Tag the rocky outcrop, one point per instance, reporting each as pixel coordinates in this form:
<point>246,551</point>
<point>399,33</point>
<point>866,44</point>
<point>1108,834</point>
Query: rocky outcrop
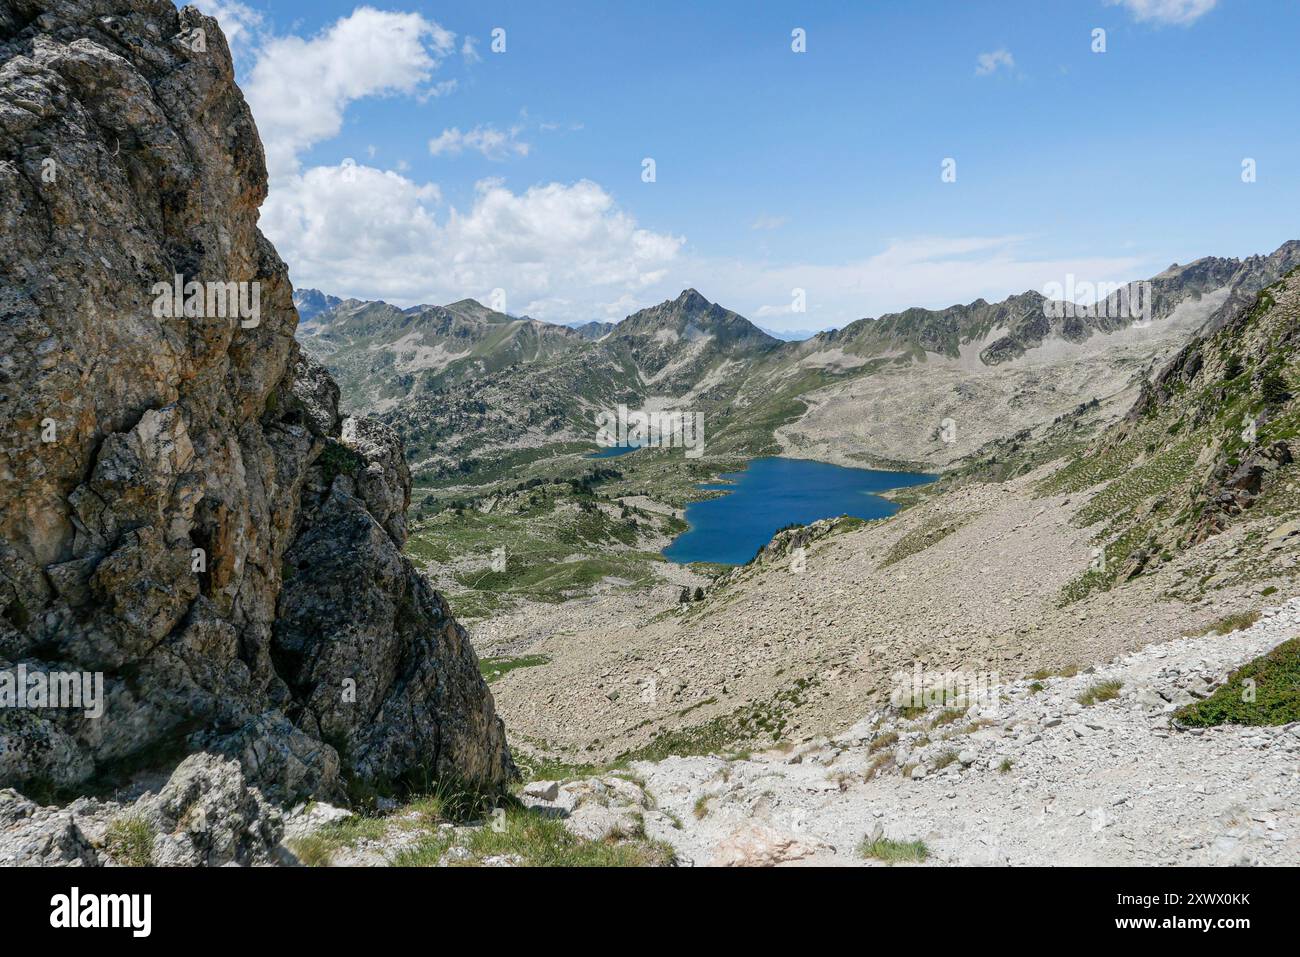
<point>182,508</point>
<point>205,815</point>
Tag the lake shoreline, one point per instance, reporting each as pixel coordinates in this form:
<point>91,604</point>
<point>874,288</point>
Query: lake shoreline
<point>775,492</point>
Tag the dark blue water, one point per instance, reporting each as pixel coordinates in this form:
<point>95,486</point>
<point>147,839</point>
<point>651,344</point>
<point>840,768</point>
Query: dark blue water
<point>773,493</point>
<point>613,451</point>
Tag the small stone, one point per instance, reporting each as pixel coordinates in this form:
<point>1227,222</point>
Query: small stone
<point>543,790</point>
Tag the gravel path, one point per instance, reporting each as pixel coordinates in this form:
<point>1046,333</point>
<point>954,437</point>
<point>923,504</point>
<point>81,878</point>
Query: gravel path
<point>1111,783</point>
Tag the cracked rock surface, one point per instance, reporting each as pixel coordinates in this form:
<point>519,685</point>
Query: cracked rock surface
<point>182,508</point>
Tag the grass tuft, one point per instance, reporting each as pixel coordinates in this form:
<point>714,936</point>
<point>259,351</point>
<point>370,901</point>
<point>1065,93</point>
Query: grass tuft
<point>878,764</point>
<point>494,668</point>
<point>318,849</point>
<point>948,716</point>
<point>129,840</point>
<point>1228,624</point>
<point>894,852</point>
<point>1042,674</point>
<point>537,841</point>
<point>882,741</point>
<point>1100,691</point>
<point>945,759</point>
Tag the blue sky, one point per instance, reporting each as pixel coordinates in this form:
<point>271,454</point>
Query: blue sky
<point>411,162</point>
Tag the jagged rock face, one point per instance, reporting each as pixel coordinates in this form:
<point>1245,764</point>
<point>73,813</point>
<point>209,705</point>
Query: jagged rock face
<point>181,506</point>
<point>205,815</point>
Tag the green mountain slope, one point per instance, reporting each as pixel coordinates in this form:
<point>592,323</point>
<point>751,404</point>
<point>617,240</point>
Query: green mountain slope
<point>1209,444</point>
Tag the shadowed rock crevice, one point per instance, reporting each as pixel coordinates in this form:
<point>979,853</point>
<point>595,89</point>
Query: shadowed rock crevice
<point>182,507</point>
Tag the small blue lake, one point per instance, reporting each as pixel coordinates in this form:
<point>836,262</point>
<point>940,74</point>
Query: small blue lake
<point>773,493</point>
<point>613,452</point>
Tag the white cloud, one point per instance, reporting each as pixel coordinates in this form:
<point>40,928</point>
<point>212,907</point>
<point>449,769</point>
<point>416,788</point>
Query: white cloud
<point>299,88</point>
<point>346,217</point>
<point>241,24</point>
<point>488,140</point>
<point>469,50</point>
<point>933,272</point>
<point>987,63</point>
<point>1181,12</point>
<point>767,222</point>
<point>559,251</point>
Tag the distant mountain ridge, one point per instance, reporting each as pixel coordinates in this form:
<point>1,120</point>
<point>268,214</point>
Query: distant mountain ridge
<point>1023,321</point>
<point>457,379</point>
<point>594,329</point>
<point>310,303</point>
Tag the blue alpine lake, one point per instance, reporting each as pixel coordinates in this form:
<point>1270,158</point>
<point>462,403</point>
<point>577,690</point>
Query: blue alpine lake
<point>613,452</point>
<point>773,493</point>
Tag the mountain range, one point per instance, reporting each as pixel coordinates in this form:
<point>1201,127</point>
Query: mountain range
<point>467,386</point>
<point>217,614</point>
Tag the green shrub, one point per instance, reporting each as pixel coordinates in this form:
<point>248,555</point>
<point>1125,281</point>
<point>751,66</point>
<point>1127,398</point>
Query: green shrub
<point>1265,691</point>
<point>1273,388</point>
<point>337,459</point>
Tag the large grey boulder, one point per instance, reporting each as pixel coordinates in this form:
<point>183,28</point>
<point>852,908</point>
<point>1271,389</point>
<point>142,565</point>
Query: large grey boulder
<point>182,508</point>
<point>207,815</point>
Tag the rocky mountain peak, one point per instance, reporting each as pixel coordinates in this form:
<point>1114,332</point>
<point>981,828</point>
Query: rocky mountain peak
<point>312,302</point>
<point>692,316</point>
<point>691,300</point>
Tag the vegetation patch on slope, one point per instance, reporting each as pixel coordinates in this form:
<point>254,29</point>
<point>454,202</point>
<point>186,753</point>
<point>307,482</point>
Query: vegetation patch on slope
<point>1265,691</point>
